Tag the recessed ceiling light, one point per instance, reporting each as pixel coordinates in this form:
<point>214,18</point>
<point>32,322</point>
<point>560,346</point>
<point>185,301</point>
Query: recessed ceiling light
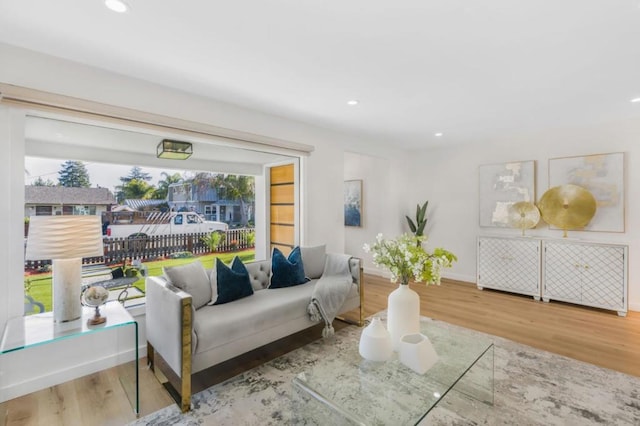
<point>353,102</point>
<point>116,5</point>
<point>438,134</point>
<point>635,100</point>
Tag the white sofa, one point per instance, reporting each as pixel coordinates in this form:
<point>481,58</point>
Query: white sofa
<point>190,340</point>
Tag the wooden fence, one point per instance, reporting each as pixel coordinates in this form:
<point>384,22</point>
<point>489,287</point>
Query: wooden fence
<point>116,250</point>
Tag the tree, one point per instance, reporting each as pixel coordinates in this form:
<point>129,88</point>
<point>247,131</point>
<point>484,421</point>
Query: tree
<point>134,186</point>
<point>135,190</point>
<point>203,181</point>
<point>136,173</point>
<point>162,190</point>
<point>73,174</point>
<point>242,189</point>
<point>41,182</point>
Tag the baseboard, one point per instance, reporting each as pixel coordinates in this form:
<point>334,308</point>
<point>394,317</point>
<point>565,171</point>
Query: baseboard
<point>376,271</point>
<point>460,277</point>
<point>449,275</point>
<point>25,387</point>
<point>471,279</point>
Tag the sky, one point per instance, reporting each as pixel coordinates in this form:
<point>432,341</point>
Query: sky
<point>100,174</point>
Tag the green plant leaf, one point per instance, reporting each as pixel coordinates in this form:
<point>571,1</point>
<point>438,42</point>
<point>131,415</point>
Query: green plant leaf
<point>422,212</point>
<point>420,231</point>
<point>412,226</point>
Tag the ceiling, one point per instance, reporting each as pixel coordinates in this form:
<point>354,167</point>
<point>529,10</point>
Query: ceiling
<point>474,70</point>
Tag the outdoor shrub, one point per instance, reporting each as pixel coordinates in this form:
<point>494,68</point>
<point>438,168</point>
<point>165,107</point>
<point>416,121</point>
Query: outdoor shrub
<point>251,239</point>
<point>44,268</point>
<point>214,240</point>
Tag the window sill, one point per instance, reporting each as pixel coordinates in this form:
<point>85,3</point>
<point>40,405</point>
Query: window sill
<point>136,307</point>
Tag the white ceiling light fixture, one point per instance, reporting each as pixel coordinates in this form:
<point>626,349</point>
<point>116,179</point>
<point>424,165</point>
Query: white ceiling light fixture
<point>353,102</point>
<point>635,100</point>
<point>438,134</point>
<point>117,6</point>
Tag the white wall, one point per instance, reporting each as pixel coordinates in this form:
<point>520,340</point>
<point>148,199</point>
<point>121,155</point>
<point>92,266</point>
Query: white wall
<point>449,180</point>
<point>11,216</point>
<point>383,194</point>
<point>323,196</point>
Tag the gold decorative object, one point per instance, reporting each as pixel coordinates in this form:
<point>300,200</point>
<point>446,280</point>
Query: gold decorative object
<point>567,207</point>
<point>523,215</point>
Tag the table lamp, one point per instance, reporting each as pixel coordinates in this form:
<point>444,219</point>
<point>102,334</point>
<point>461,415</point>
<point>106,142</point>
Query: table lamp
<point>65,240</point>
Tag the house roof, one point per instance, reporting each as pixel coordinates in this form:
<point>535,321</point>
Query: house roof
<point>138,204</point>
<point>62,195</point>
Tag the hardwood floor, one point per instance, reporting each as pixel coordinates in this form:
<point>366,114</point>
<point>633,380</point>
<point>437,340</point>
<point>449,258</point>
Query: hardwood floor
<point>591,335</point>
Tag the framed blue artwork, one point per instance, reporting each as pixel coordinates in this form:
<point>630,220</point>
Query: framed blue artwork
<point>353,203</point>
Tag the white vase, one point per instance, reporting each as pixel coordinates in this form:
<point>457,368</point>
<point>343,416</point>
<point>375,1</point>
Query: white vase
<point>375,342</point>
<point>403,314</point>
<point>417,352</point>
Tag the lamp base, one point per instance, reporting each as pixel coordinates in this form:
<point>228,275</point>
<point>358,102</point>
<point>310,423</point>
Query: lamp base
<point>97,318</point>
<point>67,283</point>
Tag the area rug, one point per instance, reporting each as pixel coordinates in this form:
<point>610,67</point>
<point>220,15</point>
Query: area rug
<point>532,387</point>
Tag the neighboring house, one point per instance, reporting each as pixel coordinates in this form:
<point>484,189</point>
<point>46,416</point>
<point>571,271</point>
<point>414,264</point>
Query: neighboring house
<point>60,200</point>
<point>186,196</point>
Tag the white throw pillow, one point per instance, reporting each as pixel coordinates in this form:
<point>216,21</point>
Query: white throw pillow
<point>313,259</point>
<point>193,279</point>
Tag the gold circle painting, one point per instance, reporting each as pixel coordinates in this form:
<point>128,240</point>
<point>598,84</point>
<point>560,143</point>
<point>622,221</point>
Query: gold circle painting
<point>567,207</point>
<point>523,215</point>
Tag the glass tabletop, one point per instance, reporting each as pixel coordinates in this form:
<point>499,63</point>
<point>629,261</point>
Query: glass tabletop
<point>382,393</point>
<point>33,330</point>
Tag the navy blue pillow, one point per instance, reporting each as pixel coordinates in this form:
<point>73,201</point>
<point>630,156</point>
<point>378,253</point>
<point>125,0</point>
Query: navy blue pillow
<point>233,283</point>
<point>287,272</point>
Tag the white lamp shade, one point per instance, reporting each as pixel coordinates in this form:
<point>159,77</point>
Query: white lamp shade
<point>64,237</point>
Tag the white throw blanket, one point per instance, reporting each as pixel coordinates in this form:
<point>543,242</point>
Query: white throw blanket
<point>331,291</point>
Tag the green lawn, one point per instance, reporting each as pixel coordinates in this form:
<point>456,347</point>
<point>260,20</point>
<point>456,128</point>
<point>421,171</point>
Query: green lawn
<point>38,286</point>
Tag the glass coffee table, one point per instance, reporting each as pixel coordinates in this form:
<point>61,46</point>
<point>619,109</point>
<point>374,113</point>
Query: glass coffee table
<point>346,389</point>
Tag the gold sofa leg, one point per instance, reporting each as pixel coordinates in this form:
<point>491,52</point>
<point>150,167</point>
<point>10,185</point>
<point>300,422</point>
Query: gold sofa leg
<point>181,395</point>
<point>361,319</point>
<point>150,356</point>
<point>185,379</point>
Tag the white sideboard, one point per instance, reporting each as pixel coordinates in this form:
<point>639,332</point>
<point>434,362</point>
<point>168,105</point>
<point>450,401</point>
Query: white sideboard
<point>585,273</point>
<point>590,274</point>
<point>510,264</point>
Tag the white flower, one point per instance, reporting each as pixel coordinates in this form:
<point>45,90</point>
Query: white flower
<point>405,257</point>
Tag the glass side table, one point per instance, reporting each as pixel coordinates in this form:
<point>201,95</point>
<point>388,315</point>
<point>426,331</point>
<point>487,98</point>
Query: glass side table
<point>22,333</point>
